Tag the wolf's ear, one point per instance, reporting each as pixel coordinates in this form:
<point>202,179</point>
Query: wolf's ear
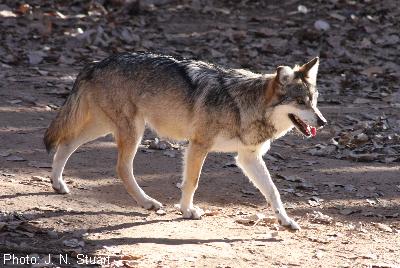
<point>310,70</point>
<point>284,74</point>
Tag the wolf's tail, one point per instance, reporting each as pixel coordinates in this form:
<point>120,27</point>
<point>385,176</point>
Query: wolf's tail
<point>70,118</point>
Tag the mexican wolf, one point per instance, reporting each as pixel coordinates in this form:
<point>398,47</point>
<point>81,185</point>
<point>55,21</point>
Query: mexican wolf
<point>214,108</point>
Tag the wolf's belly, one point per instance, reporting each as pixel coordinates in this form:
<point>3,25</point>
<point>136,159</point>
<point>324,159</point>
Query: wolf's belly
<point>224,144</point>
<point>229,145</point>
<point>176,128</point>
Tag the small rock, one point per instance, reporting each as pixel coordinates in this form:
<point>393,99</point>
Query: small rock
<point>159,145</point>
<point>321,25</point>
<point>302,9</point>
<point>161,212</point>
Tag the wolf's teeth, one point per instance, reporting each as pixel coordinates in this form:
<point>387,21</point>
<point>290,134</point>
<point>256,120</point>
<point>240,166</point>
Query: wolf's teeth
<point>308,130</point>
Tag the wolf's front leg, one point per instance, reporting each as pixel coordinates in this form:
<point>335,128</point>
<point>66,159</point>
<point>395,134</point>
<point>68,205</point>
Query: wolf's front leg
<point>194,159</point>
<point>254,167</point>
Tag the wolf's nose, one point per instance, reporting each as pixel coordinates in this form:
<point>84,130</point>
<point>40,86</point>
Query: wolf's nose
<point>321,122</point>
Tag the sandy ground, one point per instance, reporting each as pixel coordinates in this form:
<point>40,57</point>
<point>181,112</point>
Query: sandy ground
<point>100,213</point>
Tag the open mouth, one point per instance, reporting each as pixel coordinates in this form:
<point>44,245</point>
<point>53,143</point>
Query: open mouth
<point>305,129</point>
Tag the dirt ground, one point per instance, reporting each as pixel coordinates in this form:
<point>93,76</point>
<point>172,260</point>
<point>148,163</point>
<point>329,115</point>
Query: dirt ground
<point>348,209</point>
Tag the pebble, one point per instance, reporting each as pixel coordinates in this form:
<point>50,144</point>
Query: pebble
<point>322,25</point>
<point>161,212</point>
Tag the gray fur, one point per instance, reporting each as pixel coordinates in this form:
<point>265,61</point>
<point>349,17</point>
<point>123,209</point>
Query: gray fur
<point>225,94</point>
<point>215,108</point>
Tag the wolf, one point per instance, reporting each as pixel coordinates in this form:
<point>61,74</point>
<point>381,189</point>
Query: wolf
<point>216,109</point>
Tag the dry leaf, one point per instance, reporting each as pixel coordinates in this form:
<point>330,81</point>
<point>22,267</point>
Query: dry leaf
<point>373,70</point>
<point>318,217</point>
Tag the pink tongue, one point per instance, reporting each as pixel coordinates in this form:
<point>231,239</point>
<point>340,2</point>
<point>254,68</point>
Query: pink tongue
<point>313,131</point>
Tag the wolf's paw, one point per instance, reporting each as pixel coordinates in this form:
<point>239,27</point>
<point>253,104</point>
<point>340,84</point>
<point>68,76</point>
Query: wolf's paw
<point>191,212</point>
<point>60,187</point>
<point>150,204</point>
<point>289,223</point>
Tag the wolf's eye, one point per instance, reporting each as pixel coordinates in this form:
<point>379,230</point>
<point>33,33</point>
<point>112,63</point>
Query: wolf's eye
<point>301,101</point>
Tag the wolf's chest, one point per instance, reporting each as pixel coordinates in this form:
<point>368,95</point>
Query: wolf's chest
<point>257,132</point>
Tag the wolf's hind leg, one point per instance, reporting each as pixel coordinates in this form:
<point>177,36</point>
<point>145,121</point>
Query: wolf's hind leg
<point>128,139</point>
<point>194,159</point>
<point>254,167</point>
<point>90,132</point>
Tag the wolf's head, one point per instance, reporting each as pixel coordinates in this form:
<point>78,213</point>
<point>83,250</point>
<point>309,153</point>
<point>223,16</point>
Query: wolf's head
<point>296,100</point>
